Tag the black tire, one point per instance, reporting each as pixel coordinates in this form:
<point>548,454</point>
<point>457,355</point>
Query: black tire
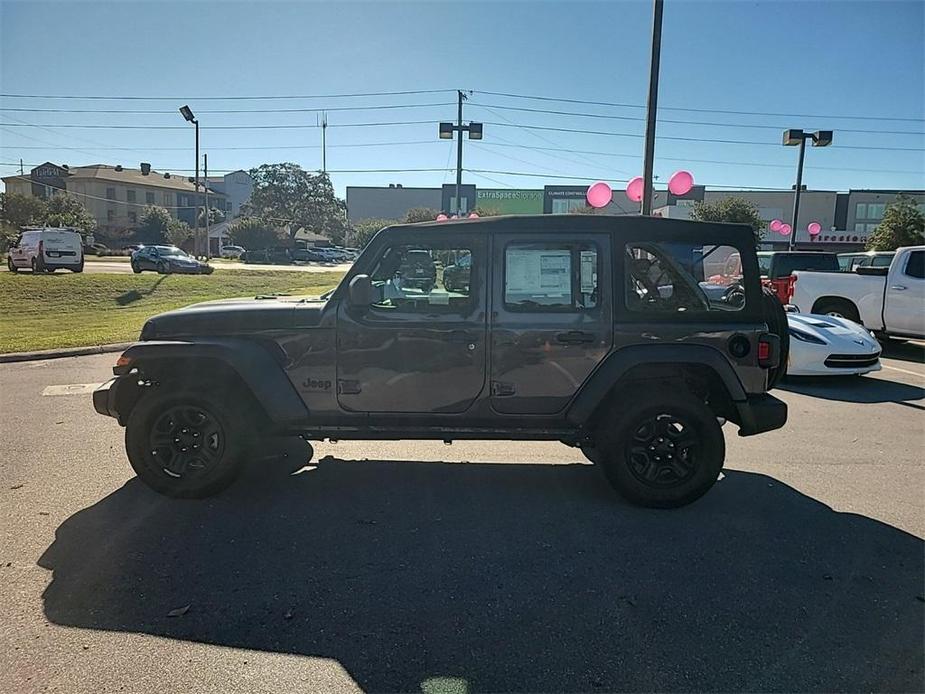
<point>11,266</point>
<point>162,268</point>
<point>840,308</point>
<point>79,268</point>
<point>664,450</point>
<point>37,266</point>
<point>776,318</point>
<point>169,424</point>
<point>135,268</point>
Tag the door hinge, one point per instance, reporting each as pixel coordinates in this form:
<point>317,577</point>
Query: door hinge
<point>499,389</point>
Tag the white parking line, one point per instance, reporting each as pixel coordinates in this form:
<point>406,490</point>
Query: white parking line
<point>71,389</point>
<point>905,371</point>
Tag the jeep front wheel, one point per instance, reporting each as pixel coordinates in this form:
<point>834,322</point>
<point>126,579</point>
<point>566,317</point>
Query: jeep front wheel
<point>664,451</point>
<point>184,444</point>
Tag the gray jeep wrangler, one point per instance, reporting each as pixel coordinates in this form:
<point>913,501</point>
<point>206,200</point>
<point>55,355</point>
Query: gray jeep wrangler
<point>631,338</point>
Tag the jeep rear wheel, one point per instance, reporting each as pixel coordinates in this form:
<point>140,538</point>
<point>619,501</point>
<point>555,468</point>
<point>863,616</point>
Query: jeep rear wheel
<point>185,444</point>
<point>665,451</point>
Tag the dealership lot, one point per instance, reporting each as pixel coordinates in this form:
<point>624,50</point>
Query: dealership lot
<point>480,566</point>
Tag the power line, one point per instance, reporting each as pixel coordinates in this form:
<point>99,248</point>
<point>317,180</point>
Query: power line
<point>261,147</point>
<point>697,110</point>
<point>699,161</point>
<point>688,139</point>
<point>173,112</point>
<point>299,126</point>
<point>685,122</point>
<point>228,98</point>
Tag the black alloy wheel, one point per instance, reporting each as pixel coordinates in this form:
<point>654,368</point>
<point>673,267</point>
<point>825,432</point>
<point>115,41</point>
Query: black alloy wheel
<point>187,440</point>
<point>663,451</point>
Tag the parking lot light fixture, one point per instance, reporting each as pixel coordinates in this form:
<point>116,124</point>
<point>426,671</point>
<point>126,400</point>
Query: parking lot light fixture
<point>796,137</point>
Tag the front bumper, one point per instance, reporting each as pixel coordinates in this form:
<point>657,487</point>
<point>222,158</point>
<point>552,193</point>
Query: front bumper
<point>104,398</point>
<point>760,413</point>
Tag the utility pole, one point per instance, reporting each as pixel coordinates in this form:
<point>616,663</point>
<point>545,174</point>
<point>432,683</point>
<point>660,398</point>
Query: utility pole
<point>652,109</point>
<point>324,150</point>
<point>459,141</point>
<point>21,171</point>
<point>205,176</point>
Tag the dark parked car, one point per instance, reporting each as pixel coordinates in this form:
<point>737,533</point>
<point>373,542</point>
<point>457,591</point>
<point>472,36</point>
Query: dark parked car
<point>268,256</point>
<point>594,331</point>
<point>96,249</point>
<point>456,276</point>
<point>416,270</point>
<point>168,260</point>
<point>307,255</point>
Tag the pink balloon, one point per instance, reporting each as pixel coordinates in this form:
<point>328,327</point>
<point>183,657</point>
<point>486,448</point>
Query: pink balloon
<point>785,230</point>
<point>814,228</point>
<point>634,189</point>
<point>681,182</point>
<point>442,217</point>
<point>473,215</point>
<point>775,225</point>
<point>599,194</point>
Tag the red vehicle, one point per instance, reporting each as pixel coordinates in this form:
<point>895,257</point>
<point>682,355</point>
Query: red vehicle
<point>776,268</point>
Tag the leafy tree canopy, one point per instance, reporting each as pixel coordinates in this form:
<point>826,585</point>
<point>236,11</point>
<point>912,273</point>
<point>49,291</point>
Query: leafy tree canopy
<point>154,225</point>
<point>902,225</point>
<point>67,211</point>
<point>363,231</point>
<point>421,214</point>
<point>286,193</point>
<point>732,209</point>
<point>255,233</point>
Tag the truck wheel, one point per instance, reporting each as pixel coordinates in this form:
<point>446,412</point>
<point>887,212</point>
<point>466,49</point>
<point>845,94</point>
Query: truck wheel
<point>776,318</point>
<point>839,308</point>
<point>664,451</point>
<point>186,444</point>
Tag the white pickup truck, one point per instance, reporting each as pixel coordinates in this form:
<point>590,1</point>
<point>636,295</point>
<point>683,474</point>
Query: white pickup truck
<point>889,301</point>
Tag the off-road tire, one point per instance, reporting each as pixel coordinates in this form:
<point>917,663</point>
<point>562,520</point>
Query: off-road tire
<point>149,429</point>
<point>776,318</point>
<point>695,446</point>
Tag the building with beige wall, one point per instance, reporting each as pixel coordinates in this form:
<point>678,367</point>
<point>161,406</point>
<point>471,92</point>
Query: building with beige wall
<point>116,196</point>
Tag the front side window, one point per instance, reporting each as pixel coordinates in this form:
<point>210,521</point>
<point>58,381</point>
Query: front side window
<point>666,278</point>
<point>551,276</point>
<point>915,266</point>
<point>424,278</point>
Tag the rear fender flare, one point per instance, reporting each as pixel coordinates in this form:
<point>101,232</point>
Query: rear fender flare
<point>619,363</point>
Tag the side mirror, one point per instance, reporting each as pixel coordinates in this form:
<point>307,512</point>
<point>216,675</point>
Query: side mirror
<point>360,291</point>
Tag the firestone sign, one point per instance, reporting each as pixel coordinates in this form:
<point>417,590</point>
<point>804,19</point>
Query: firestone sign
<point>510,201</point>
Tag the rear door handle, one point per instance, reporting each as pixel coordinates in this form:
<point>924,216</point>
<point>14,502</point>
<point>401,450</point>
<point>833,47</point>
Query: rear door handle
<point>898,287</point>
<point>575,337</point>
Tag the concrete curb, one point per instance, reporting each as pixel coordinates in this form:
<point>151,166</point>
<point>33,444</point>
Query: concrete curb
<point>65,352</point>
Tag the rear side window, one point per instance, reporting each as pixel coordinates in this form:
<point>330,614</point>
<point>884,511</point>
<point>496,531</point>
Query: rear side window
<point>784,265</point>
<point>671,278</point>
<point>551,277</point>
<point>915,266</point>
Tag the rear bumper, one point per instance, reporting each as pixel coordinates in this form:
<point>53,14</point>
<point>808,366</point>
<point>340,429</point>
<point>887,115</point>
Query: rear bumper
<point>760,413</point>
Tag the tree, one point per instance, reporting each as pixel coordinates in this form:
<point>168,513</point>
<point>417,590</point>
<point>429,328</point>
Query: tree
<point>154,225</point>
<point>732,209</point>
<point>18,210</point>
<point>487,211</point>
<point>363,231</point>
<point>285,193</point>
<point>178,232</point>
<point>255,233</point>
<point>65,210</point>
<point>903,224</point>
<point>421,214</point>
<point>215,216</point>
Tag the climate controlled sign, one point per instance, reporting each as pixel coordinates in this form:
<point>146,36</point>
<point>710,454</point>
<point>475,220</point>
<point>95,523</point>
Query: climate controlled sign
<point>510,201</point>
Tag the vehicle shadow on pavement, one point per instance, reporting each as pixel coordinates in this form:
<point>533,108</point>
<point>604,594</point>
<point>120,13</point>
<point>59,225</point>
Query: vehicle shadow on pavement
<point>506,577</point>
<point>855,389</point>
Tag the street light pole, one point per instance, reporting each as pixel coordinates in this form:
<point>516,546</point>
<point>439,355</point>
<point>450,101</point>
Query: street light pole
<point>459,147</point>
<point>792,138</point>
<point>652,108</point>
<point>796,196</point>
<point>187,114</point>
<point>446,131</point>
<point>205,187</point>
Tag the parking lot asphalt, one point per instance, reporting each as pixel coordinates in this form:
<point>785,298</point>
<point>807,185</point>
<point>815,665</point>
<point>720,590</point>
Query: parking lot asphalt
<point>116,267</point>
<point>483,566</point>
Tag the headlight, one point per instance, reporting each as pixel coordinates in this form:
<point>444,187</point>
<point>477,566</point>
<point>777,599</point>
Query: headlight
<point>805,337</point>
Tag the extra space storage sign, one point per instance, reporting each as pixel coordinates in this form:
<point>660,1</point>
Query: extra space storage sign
<point>510,200</point>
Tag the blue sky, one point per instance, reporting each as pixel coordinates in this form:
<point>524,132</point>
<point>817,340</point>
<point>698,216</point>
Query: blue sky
<point>816,63</point>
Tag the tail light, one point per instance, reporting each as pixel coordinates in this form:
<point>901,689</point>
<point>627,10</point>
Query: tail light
<point>768,351</point>
<point>789,288</point>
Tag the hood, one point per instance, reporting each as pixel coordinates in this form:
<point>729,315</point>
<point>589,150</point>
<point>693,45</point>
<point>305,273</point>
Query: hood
<point>244,316</point>
<point>832,330</point>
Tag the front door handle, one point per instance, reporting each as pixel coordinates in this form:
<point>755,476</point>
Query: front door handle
<point>575,337</point>
<point>898,287</point>
<point>460,336</point>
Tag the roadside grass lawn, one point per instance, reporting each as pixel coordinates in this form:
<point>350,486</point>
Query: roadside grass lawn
<point>68,310</point>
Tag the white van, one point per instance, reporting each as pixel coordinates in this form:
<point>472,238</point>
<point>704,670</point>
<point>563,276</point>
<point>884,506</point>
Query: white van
<point>46,250</point>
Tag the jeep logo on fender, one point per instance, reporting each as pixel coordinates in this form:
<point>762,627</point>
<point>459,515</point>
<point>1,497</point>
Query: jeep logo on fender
<point>312,384</point>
